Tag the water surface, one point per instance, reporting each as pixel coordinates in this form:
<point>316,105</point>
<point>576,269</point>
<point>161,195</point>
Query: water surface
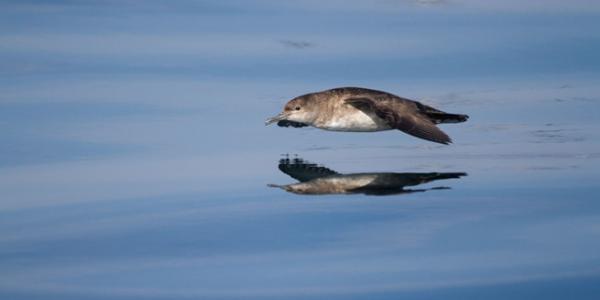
<point>135,162</point>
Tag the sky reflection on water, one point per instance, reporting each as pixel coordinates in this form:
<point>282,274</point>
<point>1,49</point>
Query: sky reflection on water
<point>135,160</point>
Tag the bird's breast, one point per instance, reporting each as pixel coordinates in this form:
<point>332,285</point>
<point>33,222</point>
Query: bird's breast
<point>353,120</point>
<point>336,184</point>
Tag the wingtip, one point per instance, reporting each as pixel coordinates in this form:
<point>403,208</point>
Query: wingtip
<point>447,142</point>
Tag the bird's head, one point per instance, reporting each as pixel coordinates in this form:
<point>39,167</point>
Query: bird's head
<point>301,188</point>
<point>300,109</point>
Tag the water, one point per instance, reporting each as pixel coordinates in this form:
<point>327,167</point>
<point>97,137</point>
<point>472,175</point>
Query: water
<point>135,162</point>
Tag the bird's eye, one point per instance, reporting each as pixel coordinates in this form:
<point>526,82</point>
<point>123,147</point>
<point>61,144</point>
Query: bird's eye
<point>297,107</point>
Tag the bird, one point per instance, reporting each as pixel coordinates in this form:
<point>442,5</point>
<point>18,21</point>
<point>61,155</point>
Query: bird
<point>356,109</point>
<point>315,179</point>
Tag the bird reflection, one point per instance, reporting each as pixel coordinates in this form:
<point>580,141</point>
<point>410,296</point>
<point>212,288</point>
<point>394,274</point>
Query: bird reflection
<point>319,180</point>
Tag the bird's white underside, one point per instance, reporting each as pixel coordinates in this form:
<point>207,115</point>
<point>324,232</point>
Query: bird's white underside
<point>356,120</point>
<point>335,184</point>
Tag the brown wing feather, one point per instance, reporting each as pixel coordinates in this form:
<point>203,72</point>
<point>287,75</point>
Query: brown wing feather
<point>423,128</point>
<point>412,123</point>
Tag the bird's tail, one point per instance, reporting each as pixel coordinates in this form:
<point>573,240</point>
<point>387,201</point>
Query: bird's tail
<point>438,116</point>
<point>442,117</point>
<point>438,176</point>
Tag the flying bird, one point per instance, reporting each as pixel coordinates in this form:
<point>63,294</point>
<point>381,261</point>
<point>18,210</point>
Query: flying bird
<point>356,109</point>
<point>319,180</point>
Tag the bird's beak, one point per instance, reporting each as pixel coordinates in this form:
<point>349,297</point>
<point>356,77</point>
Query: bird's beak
<point>276,186</point>
<point>276,118</point>
<point>286,188</point>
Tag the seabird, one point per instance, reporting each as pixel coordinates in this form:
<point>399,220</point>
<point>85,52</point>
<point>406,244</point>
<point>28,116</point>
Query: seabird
<point>319,180</point>
<point>364,110</point>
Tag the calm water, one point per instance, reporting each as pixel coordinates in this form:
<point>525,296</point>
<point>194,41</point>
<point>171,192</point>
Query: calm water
<point>135,164</point>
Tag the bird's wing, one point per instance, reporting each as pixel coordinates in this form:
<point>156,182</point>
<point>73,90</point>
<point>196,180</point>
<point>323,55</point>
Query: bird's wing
<point>303,171</point>
<point>286,123</point>
<point>412,123</point>
<point>384,191</point>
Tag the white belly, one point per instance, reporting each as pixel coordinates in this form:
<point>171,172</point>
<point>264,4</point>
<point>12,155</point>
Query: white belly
<point>355,121</point>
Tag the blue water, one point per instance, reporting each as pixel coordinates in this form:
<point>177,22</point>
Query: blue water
<point>134,160</point>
